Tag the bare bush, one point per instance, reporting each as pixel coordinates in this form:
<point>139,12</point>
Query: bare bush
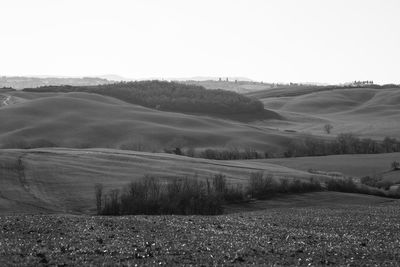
<point>395,165</point>
<point>328,128</point>
<point>99,195</point>
<point>151,195</point>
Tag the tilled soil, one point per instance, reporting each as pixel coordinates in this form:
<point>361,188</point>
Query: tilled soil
<point>357,235</point>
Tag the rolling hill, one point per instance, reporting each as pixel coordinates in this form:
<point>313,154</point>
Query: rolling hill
<point>60,180</point>
<point>20,82</point>
<point>91,120</point>
<point>175,97</point>
<point>371,112</point>
<point>348,165</point>
<point>240,86</point>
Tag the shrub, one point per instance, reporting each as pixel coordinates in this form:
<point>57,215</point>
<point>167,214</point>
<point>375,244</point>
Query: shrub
<point>261,187</point>
<point>235,194</point>
<point>99,195</point>
<point>219,183</point>
<point>150,195</point>
<point>342,185</point>
<point>298,186</point>
<point>328,128</point>
<point>349,186</point>
<point>344,143</point>
<point>395,165</point>
<point>370,181</point>
<point>111,203</point>
<point>231,154</point>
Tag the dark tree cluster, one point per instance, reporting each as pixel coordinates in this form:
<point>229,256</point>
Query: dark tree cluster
<point>169,96</point>
<point>219,154</point>
<point>233,154</point>
<point>265,186</point>
<point>152,195</point>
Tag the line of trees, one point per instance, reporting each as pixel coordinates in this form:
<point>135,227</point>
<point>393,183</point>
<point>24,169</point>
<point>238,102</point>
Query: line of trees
<point>152,195</point>
<point>170,96</point>
<point>344,143</point>
<point>187,196</point>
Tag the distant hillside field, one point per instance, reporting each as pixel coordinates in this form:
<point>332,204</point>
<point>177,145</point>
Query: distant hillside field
<point>238,86</point>
<point>30,82</point>
<point>92,120</point>
<point>349,165</point>
<point>171,96</point>
<point>371,112</point>
<point>62,180</point>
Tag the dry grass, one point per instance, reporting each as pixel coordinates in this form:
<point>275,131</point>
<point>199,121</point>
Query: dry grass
<point>83,120</point>
<point>348,165</point>
<point>62,180</point>
<point>364,111</point>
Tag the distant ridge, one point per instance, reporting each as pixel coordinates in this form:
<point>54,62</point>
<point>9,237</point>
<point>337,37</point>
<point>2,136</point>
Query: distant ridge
<point>21,82</point>
<point>210,78</point>
<point>114,78</point>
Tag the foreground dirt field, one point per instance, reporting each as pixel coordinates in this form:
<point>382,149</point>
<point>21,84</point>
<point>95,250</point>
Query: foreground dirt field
<point>354,235</point>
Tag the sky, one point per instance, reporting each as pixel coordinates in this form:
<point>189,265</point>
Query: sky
<point>330,41</point>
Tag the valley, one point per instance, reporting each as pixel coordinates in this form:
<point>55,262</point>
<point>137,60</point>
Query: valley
<point>56,147</point>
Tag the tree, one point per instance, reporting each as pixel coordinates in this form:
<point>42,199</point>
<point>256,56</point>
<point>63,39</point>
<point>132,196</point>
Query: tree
<point>99,194</point>
<point>328,128</point>
<point>347,143</point>
<point>395,165</point>
<point>389,144</point>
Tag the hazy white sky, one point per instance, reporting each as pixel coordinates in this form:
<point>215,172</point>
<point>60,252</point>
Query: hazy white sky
<point>269,40</point>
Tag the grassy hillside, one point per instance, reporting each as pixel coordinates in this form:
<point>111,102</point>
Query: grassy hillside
<point>349,165</point>
<point>62,180</point>
<point>239,86</point>
<point>92,120</point>
<point>392,177</point>
<point>20,82</point>
<point>373,112</point>
<point>171,96</point>
<point>298,90</point>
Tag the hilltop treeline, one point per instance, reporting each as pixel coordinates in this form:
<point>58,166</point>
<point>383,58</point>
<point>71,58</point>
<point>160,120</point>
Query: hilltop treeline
<point>169,96</point>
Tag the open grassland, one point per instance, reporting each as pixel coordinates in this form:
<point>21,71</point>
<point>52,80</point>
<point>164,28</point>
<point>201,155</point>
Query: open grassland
<point>348,165</point>
<point>62,180</point>
<point>239,86</point>
<point>363,111</point>
<point>363,234</point>
<point>84,120</point>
